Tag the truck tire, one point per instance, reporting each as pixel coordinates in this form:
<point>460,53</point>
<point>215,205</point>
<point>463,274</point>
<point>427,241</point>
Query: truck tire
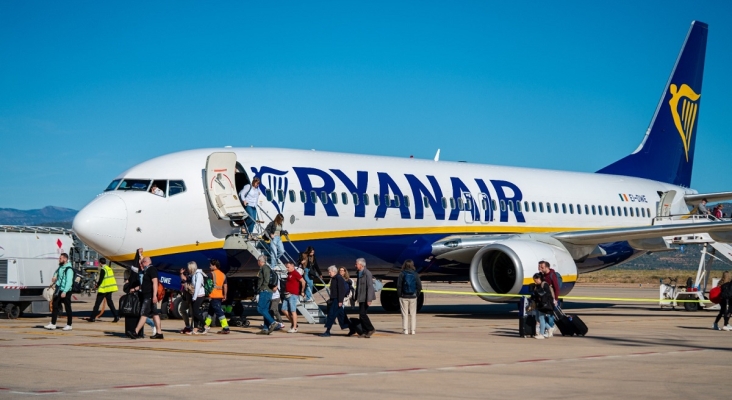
<point>176,312</point>
<point>12,311</point>
<point>389,299</point>
<point>691,306</point>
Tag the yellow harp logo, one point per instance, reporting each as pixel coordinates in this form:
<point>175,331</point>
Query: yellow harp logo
<point>684,106</point>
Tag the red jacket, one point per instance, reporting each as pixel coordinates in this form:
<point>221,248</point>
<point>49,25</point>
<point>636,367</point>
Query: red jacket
<point>551,279</point>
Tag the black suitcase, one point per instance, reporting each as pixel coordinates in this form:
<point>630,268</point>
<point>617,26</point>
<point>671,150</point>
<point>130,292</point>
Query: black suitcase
<point>569,325</point>
<point>527,326</point>
<point>131,324</point>
<point>354,326</point>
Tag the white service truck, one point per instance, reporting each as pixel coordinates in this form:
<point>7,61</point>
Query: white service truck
<point>28,260</point>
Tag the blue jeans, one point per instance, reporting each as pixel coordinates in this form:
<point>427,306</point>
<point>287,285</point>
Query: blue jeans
<point>289,303</point>
<point>215,306</point>
<point>251,221</point>
<point>265,298</point>
<point>309,286</point>
<point>542,318</point>
<point>276,249</point>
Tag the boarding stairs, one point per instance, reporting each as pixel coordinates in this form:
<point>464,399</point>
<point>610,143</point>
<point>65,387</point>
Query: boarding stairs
<point>254,243</point>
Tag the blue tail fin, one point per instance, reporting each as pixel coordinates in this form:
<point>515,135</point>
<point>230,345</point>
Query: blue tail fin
<point>667,151</point>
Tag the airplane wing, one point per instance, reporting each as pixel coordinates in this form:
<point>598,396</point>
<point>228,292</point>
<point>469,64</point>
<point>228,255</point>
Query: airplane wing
<point>717,230</point>
<point>694,199</point>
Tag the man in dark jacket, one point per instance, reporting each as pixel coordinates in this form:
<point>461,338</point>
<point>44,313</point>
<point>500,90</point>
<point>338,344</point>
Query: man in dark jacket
<point>148,299</point>
<point>265,288</point>
<point>365,294</point>
<point>338,292</point>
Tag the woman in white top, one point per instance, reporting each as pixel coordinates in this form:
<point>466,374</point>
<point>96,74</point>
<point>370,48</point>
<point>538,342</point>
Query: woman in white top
<point>199,294</point>
<point>249,197</point>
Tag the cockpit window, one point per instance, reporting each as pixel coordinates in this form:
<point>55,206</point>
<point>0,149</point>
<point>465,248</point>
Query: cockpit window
<point>159,187</point>
<point>176,187</point>
<point>134,184</point>
<point>112,185</point>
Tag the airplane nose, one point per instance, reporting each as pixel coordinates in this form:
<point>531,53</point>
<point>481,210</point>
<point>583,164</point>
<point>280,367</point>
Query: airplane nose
<point>102,224</point>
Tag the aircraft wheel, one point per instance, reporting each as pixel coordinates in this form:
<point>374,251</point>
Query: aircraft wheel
<point>177,310</point>
<point>420,301</point>
<point>691,306</point>
<point>389,298</point>
<point>12,311</point>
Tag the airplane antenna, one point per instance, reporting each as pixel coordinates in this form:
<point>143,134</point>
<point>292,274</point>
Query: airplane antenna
<point>437,156</point>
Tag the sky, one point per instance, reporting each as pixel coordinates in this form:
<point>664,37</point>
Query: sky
<point>89,89</point>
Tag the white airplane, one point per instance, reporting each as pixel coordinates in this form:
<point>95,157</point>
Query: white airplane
<point>489,225</point>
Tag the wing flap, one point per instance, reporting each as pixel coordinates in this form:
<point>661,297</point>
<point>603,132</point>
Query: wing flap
<point>643,232</point>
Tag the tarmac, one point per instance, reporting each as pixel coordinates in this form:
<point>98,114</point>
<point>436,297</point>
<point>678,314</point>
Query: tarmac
<point>464,348</point>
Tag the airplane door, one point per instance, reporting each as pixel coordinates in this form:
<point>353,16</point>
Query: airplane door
<point>220,176</point>
<point>664,206</point>
<point>485,205</point>
<point>470,208</point>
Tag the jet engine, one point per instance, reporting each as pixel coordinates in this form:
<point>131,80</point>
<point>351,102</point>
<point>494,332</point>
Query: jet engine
<point>505,266</point>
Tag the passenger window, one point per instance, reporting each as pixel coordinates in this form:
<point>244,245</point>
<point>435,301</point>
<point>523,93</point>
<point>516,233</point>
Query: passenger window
<point>112,185</point>
<point>533,206</point>
<point>549,207</point>
<point>593,210</point>
<point>303,199</point>
<point>460,204</point>
<point>406,201</point>
<point>344,198</point>
<point>510,205</point>
<point>579,209</point>
<point>452,203</point>
<point>599,210</point>
<point>444,203</point>
<point>355,198</point>
<point>541,207</point>
<point>313,197</point>
<point>426,202</point>
<point>292,196</point>
<point>526,206</point>
<point>564,208</point>
<point>376,200</point>
<point>556,208</point>
<point>334,198</point>
<point>484,204</point>
<point>503,205</point>
<point>176,187</point>
<point>612,209</point>
<point>625,211</point>
<point>365,199</point>
<point>648,212</point>
<point>269,194</point>
<point>571,209</point>
<point>631,212</point>
<point>493,205</point>
<point>280,196</point>
<point>387,201</point>
<point>397,203</point>
<point>643,211</point>
<point>606,211</point>
<point>324,197</point>
<point>636,212</point>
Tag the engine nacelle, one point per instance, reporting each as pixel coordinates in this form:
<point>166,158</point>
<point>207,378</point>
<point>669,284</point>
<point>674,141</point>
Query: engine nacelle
<point>507,267</point>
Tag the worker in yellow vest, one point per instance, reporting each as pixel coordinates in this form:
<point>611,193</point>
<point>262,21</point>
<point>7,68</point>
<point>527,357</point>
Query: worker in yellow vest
<point>106,285</point>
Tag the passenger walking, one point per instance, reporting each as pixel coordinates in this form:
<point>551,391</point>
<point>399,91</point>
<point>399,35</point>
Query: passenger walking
<point>131,287</point>
<point>365,294</point>
<point>106,286</point>
<point>311,273</point>
<point>249,197</point>
<point>294,288</point>
<point>409,287</point>
<point>217,296</point>
<point>197,298</point>
<point>346,277</point>
<point>148,299</point>
<point>274,231</point>
<point>63,278</point>
<point>274,307</point>
<point>186,305</point>
<point>265,288</point>
<point>724,303</point>
<point>302,269</point>
<point>543,298</point>
<point>550,276</point>
<point>338,291</point>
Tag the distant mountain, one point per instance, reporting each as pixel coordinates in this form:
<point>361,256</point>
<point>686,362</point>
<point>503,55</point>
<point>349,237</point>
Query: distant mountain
<point>46,216</point>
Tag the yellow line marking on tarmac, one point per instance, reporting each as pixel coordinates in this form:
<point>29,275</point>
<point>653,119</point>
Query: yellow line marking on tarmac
<point>186,351</point>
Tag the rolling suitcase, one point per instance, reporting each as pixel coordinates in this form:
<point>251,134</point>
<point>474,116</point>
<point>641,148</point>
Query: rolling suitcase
<point>569,325</point>
<point>354,327</point>
<point>527,326</point>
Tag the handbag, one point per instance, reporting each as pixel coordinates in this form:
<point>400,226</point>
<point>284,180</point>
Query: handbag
<point>129,305</point>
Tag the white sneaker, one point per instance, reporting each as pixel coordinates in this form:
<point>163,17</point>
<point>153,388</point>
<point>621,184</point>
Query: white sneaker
<point>549,332</point>
<point>155,331</point>
<point>539,337</point>
<point>292,330</point>
<point>727,328</point>
<point>67,328</point>
<point>50,327</point>
<point>414,332</point>
<point>406,332</point>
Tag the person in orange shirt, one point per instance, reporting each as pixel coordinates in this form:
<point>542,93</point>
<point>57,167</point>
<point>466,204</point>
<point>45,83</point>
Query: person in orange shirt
<point>217,296</point>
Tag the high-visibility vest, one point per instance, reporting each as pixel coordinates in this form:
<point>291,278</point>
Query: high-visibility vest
<point>109,284</point>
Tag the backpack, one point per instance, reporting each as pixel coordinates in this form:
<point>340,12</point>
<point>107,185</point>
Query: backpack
<point>161,292</point>
<point>409,283</point>
<point>274,279</point>
<point>543,299</point>
<point>208,285</point>
<point>76,282</point>
<point>559,280</point>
